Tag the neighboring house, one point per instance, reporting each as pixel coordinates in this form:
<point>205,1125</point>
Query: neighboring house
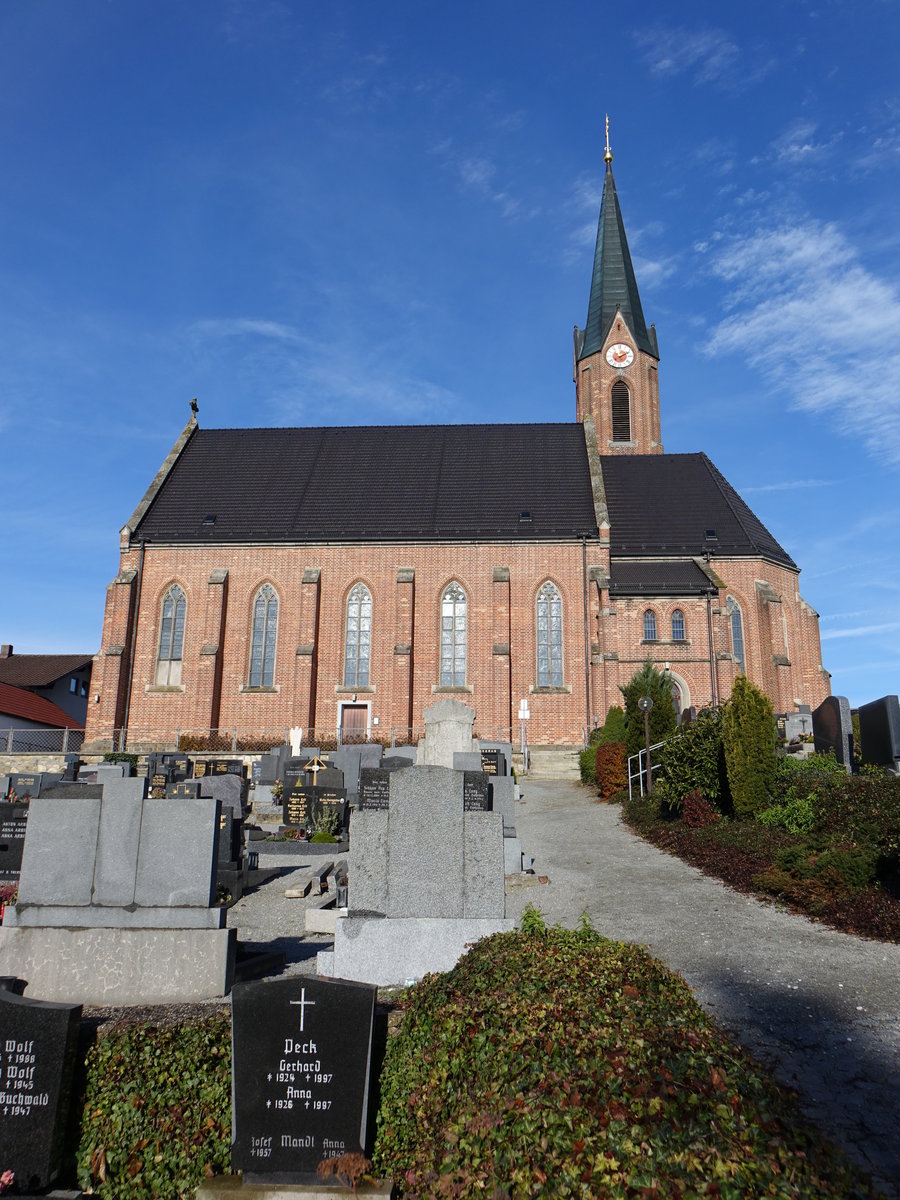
<point>63,680</point>
<point>343,579</point>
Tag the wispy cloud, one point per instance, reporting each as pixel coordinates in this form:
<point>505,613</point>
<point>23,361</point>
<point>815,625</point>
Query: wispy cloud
<point>801,298</point>
<point>229,327</point>
<point>788,485</point>
<point>855,631</point>
<point>800,145</point>
<point>707,55</point>
<point>478,173</point>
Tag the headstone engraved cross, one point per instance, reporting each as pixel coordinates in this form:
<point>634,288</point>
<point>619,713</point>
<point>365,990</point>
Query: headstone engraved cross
<point>301,1062</point>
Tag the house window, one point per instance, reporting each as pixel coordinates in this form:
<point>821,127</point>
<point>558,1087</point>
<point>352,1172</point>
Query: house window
<point>73,685</point>
<point>649,625</point>
<point>737,632</point>
<point>453,637</point>
<point>263,638</point>
<point>621,412</point>
<point>171,638</point>
<point>358,637</point>
<point>677,625</point>
<point>549,637</point>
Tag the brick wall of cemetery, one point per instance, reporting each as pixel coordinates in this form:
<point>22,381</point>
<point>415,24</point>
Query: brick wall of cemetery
<point>501,581</point>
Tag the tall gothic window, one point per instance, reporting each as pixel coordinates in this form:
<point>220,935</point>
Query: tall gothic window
<point>621,412</point>
<point>737,632</point>
<point>453,637</point>
<point>649,625</point>
<point>171,638</point>
<point>549,637</point>
<point>263,637</point>
<point>358,637</point>
<point>677,625</point>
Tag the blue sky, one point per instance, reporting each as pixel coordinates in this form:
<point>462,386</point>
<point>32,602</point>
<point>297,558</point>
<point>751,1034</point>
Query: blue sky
<point>385,213</point>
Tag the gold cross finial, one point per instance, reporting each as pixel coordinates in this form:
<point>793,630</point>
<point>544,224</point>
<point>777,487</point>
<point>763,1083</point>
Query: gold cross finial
<point>608,156</point>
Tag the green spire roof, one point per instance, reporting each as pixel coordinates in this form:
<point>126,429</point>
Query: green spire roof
<point>613,284</point>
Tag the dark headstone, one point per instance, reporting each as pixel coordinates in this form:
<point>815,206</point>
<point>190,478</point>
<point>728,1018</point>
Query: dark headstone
<point>71,770</point>
<point>832,728</point>
<point>328,777</point>
<point>374,788</point>
<point>879,731</point>
<point>13,818</point>
<point>74,791</point>
<point>476,792</point>
<point>226,766</point>
<point>26,787</point>
<point>231,789</point>
<point>493,762</point>
<point>269,767</point>
<point>160,780</point>
<point>187,789</point>
<point>38,1044</point>
<point>303,807</point>
<point>301,1063</point>
<point>200,768</point>
<point>392,762</point>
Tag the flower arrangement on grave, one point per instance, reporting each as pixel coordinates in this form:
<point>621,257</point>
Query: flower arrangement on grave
<point>7,1179</point>
<point>9,894</point>
<point>277,790</point>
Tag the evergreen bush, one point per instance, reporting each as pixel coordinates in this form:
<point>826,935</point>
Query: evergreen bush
<point>613,728</point>
<point>693,761</point>
<point>749,740</point>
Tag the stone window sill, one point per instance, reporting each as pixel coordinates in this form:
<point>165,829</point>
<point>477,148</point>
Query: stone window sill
<point>362,690</point>
<point>163,688</point>
<point>465,689</point>
<point>246,688</point>
<point>538,690</point>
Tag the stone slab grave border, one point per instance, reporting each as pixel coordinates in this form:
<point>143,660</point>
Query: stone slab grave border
<point>391,952</point>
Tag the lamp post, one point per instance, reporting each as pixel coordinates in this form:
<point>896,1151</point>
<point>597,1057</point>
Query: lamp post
<point>645,704</point>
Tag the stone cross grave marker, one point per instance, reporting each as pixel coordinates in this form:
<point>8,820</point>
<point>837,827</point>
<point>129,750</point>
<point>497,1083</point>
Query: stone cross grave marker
<point>301,1065</point>
<point>38,1044</point>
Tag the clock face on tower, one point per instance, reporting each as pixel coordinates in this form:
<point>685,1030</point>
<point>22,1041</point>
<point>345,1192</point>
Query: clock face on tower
<point>620,355</point>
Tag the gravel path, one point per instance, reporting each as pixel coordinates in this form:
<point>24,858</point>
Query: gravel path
<point>818,1007</point>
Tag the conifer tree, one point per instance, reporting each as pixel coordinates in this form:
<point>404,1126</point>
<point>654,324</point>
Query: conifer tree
<point>748,735</point>
<point>663,721</point>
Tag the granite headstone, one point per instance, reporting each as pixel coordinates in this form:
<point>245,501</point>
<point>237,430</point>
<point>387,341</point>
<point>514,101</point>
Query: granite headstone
<point>301,1070</point>
<point>38,1047</point>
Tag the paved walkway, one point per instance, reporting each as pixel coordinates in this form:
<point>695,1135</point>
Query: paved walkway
<point>819,1008</point>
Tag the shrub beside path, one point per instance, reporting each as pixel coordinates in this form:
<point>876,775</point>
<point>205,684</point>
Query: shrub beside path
<point>820,1009</point>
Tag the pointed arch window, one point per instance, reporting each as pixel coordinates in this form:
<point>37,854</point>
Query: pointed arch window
<point>621,412</point>
<point>549,637</point>
<point>678,634</point>
<point>453,637</point>
<point>171,638</point>
<point>358,637</point>
<point>737,632</point>
<point>649,625</point>
<point>264,637</point>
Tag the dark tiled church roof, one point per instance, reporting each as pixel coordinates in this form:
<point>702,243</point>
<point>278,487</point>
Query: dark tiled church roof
<point>376,483</point>
<point>653,578</point>
<point>669,504</point>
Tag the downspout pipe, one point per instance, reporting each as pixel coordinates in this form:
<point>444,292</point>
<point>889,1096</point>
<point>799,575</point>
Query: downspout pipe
<point>133,642</point>
<point>712,656</point>
<point>587,638</point>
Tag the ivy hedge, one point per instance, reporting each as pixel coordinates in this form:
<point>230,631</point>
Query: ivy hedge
<point>546,1063</point>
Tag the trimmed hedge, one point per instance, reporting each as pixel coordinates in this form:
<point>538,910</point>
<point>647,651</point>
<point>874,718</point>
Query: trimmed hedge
<point>611,769</point>
<point>749,741</point>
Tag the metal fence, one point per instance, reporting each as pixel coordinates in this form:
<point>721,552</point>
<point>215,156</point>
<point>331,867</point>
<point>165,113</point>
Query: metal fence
<point>233,740</point>
<point>41,741</point>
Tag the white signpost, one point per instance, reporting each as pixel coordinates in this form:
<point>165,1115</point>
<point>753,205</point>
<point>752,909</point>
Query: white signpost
<point>524,714</point>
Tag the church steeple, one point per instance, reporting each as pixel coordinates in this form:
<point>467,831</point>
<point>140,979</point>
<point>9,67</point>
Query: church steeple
<point>616,355</point>
<point>613,285</point>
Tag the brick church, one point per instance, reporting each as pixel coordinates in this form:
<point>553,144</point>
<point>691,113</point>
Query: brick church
<point>344,579</point>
